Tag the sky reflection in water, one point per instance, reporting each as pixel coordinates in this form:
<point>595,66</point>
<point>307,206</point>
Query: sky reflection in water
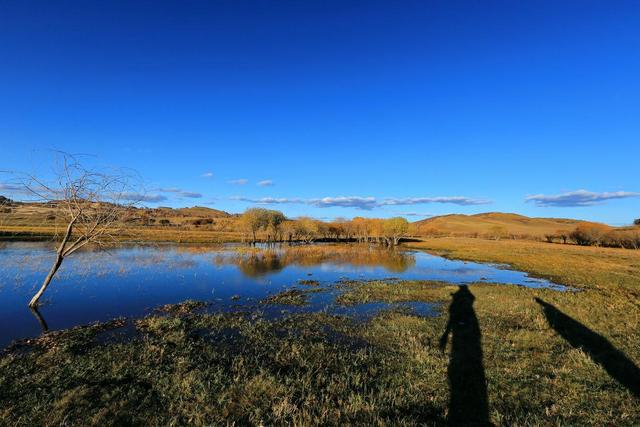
<point>131,281</point>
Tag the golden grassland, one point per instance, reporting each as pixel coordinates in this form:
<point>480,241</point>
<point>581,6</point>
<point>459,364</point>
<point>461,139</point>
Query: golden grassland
<point>129,234</point>
<point>495,224</point>
<point>586,267</point>
<point>548,357</point>
<point>203,224</point>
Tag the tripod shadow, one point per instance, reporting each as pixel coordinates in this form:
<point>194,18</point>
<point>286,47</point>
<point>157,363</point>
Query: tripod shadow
<point>468,401</point>
<point>601,351</point>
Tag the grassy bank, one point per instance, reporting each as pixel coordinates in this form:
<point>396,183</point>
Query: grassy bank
<point>579,266</point>
<point>129,234</point>
<point>497,353</point>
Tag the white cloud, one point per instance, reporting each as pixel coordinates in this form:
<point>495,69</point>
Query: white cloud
<point>362,203</point>
<point>139,197</point>
<point>181,193</point>
<point>241,181</point>
<point>265,183</point>
<point>415,214</point>
<point>12,188</point>
<point>207,175</point>
<point>455,200</point>
<point>579,198</point>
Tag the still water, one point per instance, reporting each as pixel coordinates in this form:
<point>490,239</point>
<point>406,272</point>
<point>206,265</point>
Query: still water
<point>132,281</point>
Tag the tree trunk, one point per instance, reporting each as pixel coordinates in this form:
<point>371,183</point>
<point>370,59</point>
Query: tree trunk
<point>43,323</point>
<point>54,268</point>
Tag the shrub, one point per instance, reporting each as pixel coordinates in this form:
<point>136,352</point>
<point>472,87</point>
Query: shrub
<point>627,239</point>
<point>202,221</point>
<point>636,222</point>
<point>589,234</point>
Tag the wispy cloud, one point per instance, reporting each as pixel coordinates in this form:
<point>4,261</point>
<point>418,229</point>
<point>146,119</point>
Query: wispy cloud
<point>415,214</point>
<point>241,181</point>
<point>207,175</point>
<point>455,200</point>
<point>265,183</point>
<point>181,193</point>
<point>579,198</point>
<point>12,188</point>
<point>268,200</point>
<point>363,203</point>
<point>140,197</point>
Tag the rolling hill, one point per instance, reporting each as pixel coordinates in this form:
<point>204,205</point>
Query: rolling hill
<point>494,223</point>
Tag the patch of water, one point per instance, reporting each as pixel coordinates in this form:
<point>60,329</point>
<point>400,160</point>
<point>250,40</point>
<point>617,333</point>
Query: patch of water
<point>131,281</point>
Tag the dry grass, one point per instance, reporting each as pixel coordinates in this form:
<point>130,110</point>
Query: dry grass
<point>494,224</point>
<point>129,234</point>
<point>316,369</point>
<point>615,270</point>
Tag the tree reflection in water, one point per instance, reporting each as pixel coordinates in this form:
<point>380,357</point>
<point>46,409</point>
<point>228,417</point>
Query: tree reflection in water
<point>257,262</point>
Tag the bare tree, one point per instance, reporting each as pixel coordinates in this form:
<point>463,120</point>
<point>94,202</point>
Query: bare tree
<point>90,202</point>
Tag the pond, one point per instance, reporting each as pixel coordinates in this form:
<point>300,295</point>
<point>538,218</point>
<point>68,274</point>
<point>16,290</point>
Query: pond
<point>131,281</point>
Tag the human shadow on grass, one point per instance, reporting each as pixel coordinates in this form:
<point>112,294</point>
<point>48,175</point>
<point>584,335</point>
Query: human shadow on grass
<point>599,349</point>
<point>468,401</point>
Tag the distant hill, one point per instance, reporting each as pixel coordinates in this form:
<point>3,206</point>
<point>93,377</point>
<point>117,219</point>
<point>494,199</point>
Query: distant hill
<point>200,211</point>
<point>33,214</point>
<point>494,223</point>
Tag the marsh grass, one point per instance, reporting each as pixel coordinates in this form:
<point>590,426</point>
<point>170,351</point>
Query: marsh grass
<point>535,374</point>
<point>303,370</point>
<point>548,357</point>
<point>290,297</point>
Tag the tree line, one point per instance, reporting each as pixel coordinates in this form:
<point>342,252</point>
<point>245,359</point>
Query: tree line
<point>589,234</point>
<point>268,225</point>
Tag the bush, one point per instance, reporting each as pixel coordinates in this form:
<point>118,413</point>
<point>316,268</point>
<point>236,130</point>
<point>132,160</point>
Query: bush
<point>627,239</point>
<point>602,235</point>
<point>636,222</point>
<point>202,221</point>
<point>589,234</point>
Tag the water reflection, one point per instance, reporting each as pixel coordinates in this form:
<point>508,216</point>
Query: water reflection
<point>256,262</point>
<point>132,280</point>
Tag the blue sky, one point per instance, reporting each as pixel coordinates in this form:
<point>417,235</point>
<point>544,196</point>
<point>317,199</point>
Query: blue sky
<point>339,108</point>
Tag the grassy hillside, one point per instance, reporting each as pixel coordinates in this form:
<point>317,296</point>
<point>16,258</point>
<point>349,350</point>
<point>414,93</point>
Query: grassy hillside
<point>44,214</point>
<point>494,224</point>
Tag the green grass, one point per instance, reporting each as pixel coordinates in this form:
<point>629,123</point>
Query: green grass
<point>213,369</point>
<point>290,297</point>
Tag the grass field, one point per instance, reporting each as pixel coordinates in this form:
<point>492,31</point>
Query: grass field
<point>129,234</point>
<point>496,354</point>
<point>494,224</point>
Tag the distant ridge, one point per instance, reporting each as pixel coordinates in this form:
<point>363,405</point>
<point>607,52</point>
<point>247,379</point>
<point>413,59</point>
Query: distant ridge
<point>491,223</point>
<point>200,211</point>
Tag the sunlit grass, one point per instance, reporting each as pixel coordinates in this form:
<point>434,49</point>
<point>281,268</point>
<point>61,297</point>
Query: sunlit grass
<point>204,369</point>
